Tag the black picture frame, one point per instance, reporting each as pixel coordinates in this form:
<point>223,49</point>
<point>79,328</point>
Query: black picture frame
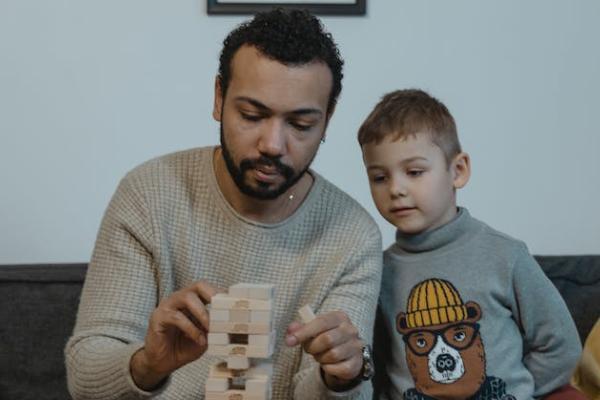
<point>216,7</point>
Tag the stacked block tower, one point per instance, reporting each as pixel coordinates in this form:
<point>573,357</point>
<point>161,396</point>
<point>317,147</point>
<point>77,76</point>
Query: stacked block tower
<point>241,331</point>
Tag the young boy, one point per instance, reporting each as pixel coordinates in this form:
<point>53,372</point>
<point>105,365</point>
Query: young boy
<point>466,312</point>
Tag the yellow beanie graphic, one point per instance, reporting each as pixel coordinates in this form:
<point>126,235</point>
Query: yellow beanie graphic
<point>434,302</point>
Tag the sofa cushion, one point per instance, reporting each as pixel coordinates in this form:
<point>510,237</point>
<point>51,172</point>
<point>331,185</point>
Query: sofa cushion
<point>39,304</point>
<point>577,278</point>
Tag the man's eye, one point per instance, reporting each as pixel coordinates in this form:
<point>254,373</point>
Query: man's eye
<point>300,127</point>
<point>251,117</point>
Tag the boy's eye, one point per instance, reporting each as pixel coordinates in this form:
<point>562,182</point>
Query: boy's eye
<point>378,178</point>
<point>415,172</point>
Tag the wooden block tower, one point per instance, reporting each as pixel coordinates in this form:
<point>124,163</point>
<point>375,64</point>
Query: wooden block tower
<point>241,329</point>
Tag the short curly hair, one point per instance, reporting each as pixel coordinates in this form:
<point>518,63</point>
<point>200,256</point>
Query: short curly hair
<point>291,36</point>
<point>409,112</point>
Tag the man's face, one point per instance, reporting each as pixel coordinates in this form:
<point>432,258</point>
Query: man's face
<point>411,184</point>
<point>272,120</point>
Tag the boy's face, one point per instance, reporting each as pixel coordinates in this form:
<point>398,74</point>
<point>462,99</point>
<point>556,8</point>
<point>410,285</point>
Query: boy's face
<point>411,184</point>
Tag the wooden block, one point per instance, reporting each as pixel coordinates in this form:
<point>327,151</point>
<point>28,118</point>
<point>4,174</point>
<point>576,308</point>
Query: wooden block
<point>219,315</point>
<point>233,327</point>
<point>255,386</point>
<point>240,290</point>
<point>261,316</point>
<point>261,340</point>
<point>223,301</point>
<point>258,370</point>
<point>233,395</point>
<point>240,350</point>
<point>261,291</point>
<point>238,362</point>
<point>217,384</point>
<point>218,338</point>
<point>306,314</point>
<point>239,316</point>
<point>220,371</point>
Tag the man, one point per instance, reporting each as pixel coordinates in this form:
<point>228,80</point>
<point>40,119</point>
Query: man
<point>183,225</point>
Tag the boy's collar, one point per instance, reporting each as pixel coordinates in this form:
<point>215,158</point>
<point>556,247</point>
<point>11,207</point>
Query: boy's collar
<point>437,238</point>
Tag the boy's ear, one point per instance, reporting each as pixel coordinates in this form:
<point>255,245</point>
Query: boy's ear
<point>461,170</point>
<point>218,100</point>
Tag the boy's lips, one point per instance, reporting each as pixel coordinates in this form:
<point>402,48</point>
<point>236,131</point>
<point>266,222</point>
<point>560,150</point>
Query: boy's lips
<point>402,210</point>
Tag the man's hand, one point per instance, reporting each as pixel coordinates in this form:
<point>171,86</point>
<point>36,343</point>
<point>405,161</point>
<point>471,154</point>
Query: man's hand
<point>333,341</point>
<point>177,335</point>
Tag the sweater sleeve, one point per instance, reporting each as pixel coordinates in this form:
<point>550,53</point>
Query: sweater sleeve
<point>552,345</point>
<point>119,294</point>
<point>356,294</point>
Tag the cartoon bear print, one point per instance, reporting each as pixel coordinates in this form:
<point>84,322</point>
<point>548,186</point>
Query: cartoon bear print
<point>444,349</point>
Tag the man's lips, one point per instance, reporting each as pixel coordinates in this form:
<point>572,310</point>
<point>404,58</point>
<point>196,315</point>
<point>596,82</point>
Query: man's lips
<point>266,173</point>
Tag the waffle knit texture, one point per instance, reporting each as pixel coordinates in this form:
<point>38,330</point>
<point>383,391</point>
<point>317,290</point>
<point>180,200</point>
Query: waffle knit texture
<point>168,225</point>
<point>470,276</point>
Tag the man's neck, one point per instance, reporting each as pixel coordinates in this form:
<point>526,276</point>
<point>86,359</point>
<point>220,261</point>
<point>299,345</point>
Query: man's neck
<point>264,211</point>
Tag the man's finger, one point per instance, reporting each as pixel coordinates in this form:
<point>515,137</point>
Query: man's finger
<point>347,369</point>
<point>322,323</point>
<point>340,353</point>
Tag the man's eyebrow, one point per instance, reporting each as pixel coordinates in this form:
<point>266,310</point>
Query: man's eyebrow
<point>263,107</point>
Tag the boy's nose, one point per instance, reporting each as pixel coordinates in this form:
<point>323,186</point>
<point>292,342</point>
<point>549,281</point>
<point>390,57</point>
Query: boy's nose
<point>397,188</point>
<point>272,139</point>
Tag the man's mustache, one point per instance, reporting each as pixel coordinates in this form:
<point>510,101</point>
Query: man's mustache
<point>266,161</point>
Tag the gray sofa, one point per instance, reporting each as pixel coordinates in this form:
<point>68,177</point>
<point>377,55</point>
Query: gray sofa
<point>39,303</point>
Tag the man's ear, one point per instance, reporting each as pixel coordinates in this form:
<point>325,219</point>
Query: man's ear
<point>218,100</point>
<point>461,170</point>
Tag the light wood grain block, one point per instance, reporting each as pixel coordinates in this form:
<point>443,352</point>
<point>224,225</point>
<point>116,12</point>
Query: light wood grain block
<point>239,316</point>
<point>261,340</point>
<point>306,314</point>
<point>233,327</point>
<point>240,290</point>
<point>261,291</point>
<point>261,316</point>
<point>223,301</point>
<point>238,362</point>
<point>218,338</point>
<point>233,395</point>
<point>240,350</point>
<point>218,315</point>
<point>258,386</point>
<point>217,384</point>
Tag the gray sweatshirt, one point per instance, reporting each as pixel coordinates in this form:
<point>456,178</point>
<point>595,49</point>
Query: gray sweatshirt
<point>467,313</point>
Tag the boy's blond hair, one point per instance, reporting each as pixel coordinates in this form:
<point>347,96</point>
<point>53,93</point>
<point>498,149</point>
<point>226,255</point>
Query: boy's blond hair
<point>403,113</point>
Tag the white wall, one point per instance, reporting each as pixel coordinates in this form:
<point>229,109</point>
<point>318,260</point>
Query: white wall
<point>89,89</point>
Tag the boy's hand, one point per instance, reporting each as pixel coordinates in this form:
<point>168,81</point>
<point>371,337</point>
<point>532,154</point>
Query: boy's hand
<point>333,341</point>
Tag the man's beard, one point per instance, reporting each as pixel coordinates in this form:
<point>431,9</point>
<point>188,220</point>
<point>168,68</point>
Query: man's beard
<point>262,191</point>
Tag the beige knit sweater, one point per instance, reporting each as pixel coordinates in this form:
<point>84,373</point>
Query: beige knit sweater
<point>167,226</point>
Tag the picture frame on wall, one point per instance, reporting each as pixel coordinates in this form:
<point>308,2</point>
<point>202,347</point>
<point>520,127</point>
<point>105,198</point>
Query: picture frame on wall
<point>320,7</point>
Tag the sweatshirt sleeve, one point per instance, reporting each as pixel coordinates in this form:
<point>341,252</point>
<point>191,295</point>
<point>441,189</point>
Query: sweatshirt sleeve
<point>356,294</point>
<point>552,345</point>
<point>119,294</point>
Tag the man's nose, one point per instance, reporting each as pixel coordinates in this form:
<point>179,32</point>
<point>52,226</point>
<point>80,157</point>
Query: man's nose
<point>272,139</point>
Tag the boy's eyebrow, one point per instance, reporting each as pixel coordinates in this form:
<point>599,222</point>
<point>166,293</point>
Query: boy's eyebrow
<point>405,161</point>
<point>264,108</point>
